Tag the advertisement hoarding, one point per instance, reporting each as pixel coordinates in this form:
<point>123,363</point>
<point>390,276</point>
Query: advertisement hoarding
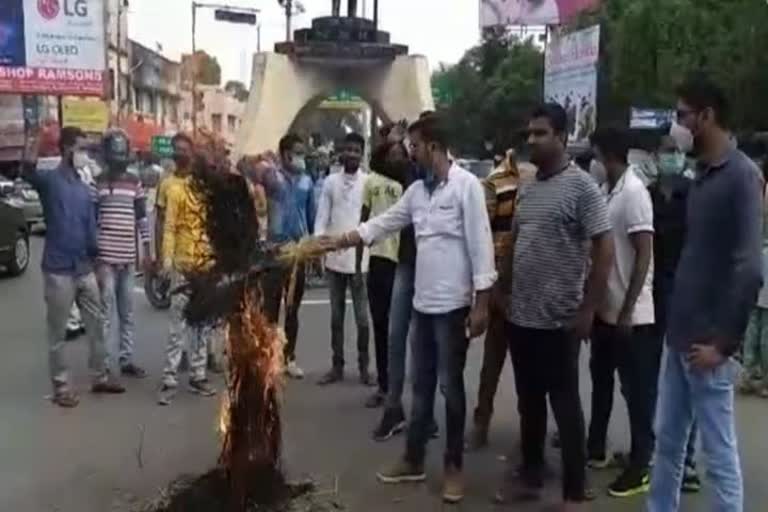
<point>90,115</point>
<point>570,79</point>
<point>52,47</point>
<point>650,118</point>
<point>531,12</point>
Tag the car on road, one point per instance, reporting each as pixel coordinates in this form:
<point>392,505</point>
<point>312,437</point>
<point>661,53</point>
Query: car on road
<point>14,231</point>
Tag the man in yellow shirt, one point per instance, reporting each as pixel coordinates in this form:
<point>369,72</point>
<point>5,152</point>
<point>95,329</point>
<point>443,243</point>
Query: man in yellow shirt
<point>185,248</point>
<point>381,192</point>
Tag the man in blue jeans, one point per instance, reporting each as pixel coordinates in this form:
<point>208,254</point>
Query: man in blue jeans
<point>454,273</point>
<point>716,285</point>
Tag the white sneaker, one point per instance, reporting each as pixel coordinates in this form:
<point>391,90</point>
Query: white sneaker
<point>293,370</point>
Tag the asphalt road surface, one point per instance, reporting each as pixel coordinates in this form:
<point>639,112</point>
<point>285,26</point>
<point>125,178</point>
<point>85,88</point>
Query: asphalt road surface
<point>111,453</point>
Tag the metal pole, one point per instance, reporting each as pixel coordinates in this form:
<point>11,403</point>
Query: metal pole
<point>376,14</point>
<point>194,70</point>
<point>258,38</point>
<point>119,89</point>
<point>288,15</point>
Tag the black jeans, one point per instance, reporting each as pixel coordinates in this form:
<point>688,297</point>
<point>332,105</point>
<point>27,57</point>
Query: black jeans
<point>494,355</point>
<point>637,359</point>
<point>337,285</point>
<point>439,348</point>
<point>381,278</point>
<point>274,285</point>
<point>546,362</point>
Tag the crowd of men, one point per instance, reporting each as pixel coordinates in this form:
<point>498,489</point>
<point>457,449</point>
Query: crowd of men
<point>544,258</point>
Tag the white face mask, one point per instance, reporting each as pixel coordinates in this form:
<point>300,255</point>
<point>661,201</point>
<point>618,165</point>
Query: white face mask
<point>299,164</point>
<point>80,159</point>
<point>682,136</point>
<point>598,171</point>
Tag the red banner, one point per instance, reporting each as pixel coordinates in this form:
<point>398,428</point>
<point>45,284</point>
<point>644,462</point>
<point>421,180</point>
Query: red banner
<point>73,82</point>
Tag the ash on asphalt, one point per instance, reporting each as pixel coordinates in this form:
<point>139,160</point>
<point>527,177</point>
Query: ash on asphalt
<point>209,493</point>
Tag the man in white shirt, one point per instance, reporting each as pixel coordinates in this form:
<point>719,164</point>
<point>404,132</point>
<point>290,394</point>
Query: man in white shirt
<point>341,204</point>
<point>454,273</point>
<point>623,337</point>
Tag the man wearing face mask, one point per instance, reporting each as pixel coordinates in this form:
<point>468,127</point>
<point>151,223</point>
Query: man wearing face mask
<point>122,212</point>
<point>291,217</point>
<point>68,266</point>
<point>341,204</point>
<point>669,195</point>
<point>716,285</point>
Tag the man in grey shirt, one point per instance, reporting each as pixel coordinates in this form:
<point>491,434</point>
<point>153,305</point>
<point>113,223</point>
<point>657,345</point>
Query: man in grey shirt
<point>562,238</point>
<point>716,285</point>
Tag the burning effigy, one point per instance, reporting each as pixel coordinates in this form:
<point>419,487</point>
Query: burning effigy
<point>225,294</point>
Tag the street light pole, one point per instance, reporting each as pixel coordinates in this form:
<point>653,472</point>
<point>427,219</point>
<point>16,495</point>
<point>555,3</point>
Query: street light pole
<point>288,16</point>
<point>194,70</point>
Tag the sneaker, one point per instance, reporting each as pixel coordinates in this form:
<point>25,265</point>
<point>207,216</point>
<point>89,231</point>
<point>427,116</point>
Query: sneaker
<point>332,377</point>
<point>478,439</point>
<point>691,481</point>
<point>132,370</point>
<point>392,423</point>
<point>402,472</point>
<point>108,386</point>
<point>599,462</point>
<point>201,387</point>
<point>453,486</point>
<point>65,399</point>
<point>631,482</point>
<point>293,371</point>
<point>166,394</point>
<point>376,400</point>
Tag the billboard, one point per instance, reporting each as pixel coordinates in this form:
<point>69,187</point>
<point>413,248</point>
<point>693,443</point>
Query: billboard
<point>531,12</point>
<point>90,115</point>
<point>570,79</point>
<point>52,47</point>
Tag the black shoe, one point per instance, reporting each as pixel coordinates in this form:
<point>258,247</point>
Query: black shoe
<point>392,423</point>
<point>332,377</point>
<point>631,482</point>
<point>131,370</point>
<point>108,386</point>
<point>691,481</point>
<point>201,387</point>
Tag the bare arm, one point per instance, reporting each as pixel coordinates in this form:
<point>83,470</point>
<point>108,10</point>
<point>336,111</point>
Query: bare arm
<point>643,245</point>
<point>602,260</point>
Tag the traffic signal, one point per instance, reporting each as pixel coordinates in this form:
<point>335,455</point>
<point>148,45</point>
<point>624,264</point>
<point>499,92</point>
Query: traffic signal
<point>246,18</point>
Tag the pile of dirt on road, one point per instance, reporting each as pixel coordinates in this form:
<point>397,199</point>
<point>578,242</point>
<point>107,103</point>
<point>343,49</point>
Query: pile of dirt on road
<point>210,493</point>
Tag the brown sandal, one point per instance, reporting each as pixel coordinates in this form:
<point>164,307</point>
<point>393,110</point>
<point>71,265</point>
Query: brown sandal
<point>66,399</point>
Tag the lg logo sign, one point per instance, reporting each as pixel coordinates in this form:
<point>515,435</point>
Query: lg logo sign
<point>49,9</point>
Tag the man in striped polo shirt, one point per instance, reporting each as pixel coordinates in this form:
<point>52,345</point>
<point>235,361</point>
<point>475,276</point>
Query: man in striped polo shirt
<point>562,234</point>
<point>122,212</point>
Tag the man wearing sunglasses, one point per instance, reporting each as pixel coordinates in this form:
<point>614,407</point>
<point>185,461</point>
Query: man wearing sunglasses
<point>716,286</point>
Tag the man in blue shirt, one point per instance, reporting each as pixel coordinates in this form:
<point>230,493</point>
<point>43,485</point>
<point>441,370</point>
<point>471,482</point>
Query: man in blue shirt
<point>716,285</point>
<point>291,212</point>
<point>68,265</point>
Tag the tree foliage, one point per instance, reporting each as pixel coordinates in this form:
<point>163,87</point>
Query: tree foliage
<point>649,46</point>
<point>237,89</point>
<point>207,66</point>
<point>491,91</point>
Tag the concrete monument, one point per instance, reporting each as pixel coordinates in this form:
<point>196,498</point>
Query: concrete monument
<point>334,53</point>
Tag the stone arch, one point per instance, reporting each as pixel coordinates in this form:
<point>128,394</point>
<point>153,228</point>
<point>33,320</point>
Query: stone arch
<point>281,87</point>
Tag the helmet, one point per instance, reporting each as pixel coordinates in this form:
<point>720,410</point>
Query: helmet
<point>117,149</point>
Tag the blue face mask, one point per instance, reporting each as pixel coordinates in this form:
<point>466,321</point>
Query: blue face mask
<point>671,164</point>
